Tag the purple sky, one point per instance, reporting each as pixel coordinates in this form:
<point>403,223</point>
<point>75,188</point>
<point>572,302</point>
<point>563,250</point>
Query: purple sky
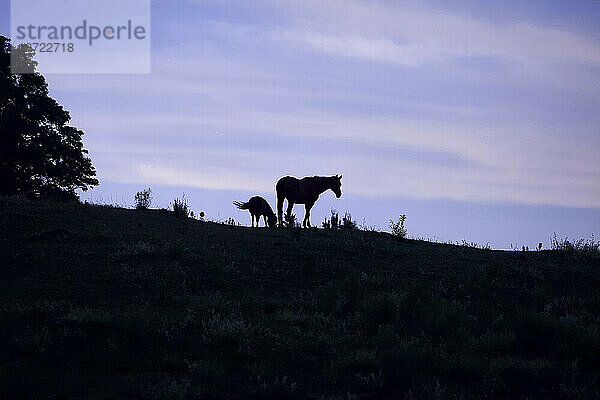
<point>479,121</point>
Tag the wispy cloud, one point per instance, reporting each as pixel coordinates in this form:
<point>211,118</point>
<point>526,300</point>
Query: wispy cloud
<point>403,34</point>
<point>233,104</point>
<point>516,172</point>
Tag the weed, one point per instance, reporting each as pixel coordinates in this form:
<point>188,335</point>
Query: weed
<point>397,227</point>
<point>347,222</point>
<point>180,208</point>
<point>585,249</point>
<point>143,199</point>
<point>230,221</point>
<point>475,245</point>
<point>290,221</point>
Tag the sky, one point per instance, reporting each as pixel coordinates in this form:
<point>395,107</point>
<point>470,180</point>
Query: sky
<point>478,120</point>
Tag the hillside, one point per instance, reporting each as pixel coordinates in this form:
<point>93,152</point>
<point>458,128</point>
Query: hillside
<point>100,302</point>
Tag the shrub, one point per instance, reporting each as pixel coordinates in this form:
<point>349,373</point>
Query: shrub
<point>290,221</point>
<point>367,228</point>
<point>332,223</point>
<point>581,247</point>
<point>475,245</point>
<point>335,219</point>
<point>398,229</point>
<point>199,216</point>
<point>180,207</point>
<point>143,199</point>
<point>230,221</point>
<point>347,222</point>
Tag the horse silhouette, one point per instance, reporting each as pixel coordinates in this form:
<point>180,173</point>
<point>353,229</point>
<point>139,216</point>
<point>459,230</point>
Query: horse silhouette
<point>258,207</point>
<point>304,191</point>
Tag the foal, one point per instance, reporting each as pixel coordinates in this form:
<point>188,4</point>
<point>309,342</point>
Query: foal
<point>258,207</point>
<point>304,191</point>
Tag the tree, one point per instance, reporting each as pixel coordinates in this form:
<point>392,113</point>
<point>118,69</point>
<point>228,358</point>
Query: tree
<point>40,155</point>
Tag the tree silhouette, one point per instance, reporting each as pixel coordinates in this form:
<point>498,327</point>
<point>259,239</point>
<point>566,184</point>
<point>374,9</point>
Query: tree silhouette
<point>40,155</point>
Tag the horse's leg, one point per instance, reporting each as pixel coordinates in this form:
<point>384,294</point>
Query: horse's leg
<point>307,208</point>
<point>306,212</point>
<point>280,199</point>
<point>289,208</point>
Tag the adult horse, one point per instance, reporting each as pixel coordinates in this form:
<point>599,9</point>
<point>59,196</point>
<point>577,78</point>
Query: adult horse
<point>304,191</point>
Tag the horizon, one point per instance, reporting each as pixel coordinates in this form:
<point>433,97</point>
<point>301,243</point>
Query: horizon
<point>477,121</point>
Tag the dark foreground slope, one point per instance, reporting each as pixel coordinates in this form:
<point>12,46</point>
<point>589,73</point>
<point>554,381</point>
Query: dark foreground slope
<point>98,302</point>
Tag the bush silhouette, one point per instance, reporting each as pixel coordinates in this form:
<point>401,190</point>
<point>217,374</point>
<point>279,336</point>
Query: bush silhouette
<point>333,222</point>
<point>347,222</point>
<point>143,199</point>
<point>180,207</point>
<point>397,227</point>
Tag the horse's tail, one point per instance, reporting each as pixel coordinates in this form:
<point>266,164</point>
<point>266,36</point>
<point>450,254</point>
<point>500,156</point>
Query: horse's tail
<point>240,205</point>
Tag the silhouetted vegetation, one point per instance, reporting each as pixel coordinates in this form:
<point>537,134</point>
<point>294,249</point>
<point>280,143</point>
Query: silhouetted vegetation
<point>199,216</point>
<point>231,222</point>
<point>334,222</point>
<point>347,222</point>
<point>143,199</point>
<point>582,248</point>
<point>131,305</point>
<point>397,227</point>
<point>290,221</point>
<point>180,207</point>
<point>40,155</point>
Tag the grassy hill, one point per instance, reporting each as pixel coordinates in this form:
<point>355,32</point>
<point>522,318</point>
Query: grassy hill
<point>99,302</point>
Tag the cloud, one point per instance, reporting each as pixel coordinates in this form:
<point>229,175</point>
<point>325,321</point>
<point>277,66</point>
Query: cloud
<point>206,178</point>
<point>380,49</point>
<point>257,101</point>
<point>521,175</point>
<point>504,145</point>
<point>404,34</point>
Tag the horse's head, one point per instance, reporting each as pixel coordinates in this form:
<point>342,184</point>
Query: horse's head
<point>336,185</point>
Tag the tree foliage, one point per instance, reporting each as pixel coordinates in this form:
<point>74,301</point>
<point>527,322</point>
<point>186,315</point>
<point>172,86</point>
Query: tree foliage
<point>40,155</point>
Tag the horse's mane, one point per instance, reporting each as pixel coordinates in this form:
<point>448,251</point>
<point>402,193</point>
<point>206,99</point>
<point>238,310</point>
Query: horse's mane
<point>318,180</point>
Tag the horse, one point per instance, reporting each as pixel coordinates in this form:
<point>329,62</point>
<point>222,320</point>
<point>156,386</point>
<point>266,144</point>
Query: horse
<point>258,207</point>
<point>304,191</point>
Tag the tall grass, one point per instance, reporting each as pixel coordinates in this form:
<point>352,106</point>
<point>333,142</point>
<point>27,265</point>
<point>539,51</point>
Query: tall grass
<point>143,199</point>
<point>180,207</point>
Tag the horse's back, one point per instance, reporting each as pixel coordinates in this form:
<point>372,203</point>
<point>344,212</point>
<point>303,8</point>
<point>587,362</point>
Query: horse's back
<point>285,183</point>
<point>287,180</point>
<point>259,205</point>
<point>255,201</point>
<point>258,200</point>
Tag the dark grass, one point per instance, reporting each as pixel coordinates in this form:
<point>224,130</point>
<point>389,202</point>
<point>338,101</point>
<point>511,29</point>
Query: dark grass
<point>99,302</point>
